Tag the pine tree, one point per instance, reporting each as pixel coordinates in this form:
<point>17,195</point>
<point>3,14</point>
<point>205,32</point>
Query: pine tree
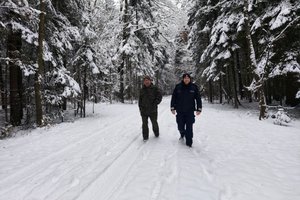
<point>39,71</point>
<point>219,39</point>
<point>141,51</point>
<point>13,52</point>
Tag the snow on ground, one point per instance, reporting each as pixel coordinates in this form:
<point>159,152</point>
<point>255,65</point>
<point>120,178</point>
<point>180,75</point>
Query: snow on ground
<point>102,157</point>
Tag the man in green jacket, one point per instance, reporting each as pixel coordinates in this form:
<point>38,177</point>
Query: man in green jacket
<point>150,96</point>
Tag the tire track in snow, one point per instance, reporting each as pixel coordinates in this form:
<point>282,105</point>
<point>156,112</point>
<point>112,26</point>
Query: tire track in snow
<point>119,164</point>
<point>207,164</point>
<point>203,182</point>
<point>169,173</point>
<point>160,153</point>
<point>98,188</point>
<point>168,170</point>
<point>31,170</point>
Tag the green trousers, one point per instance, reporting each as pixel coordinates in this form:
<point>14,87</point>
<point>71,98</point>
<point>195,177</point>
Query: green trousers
<point>155,128</point>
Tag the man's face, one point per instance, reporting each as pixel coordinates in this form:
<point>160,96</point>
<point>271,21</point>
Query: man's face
<point>186,80</point>
<point>147,82</point>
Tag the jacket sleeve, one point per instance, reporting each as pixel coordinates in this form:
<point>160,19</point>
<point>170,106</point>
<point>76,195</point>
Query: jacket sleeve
<point>158,97</point>
<point>173,99</point>
<point>198,99</point>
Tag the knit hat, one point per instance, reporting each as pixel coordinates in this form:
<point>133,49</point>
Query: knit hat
<point>147,77</point>
<point>186,75</point>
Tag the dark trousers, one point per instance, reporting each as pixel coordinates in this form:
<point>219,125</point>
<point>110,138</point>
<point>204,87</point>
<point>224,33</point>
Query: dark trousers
<point>153,118</point>
<point>185,121</point>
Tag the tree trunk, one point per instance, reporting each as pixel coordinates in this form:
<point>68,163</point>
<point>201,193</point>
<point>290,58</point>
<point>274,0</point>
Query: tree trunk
<point>6,93</point>
<point>80,100</point>
<point>121,92</point>
<point>41,64</point>
<point>210,91</point>
<point>14,44</point>
<point>85,90</point>
<point>258,77</point>
<point>235,93</point>
<point>111,86</point>
<point>124,56</point>
<point>136,84</point>
<point>228,81</point>
<point>220,88</point>
<point>262,104</point>
<point>269,92</point>
<point>240,80</point>
<point>2,90</point>
<point>248,75</point>
<point>131,95</point>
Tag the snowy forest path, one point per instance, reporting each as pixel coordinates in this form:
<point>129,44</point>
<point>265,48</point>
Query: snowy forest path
<point>159,168</point>
<point>49,158</point>
<point>127,164</point>
<point>103,157</point>
<point>68,163</point>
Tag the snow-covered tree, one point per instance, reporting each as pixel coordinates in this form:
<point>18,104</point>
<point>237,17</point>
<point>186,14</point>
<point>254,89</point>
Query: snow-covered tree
<point>141,51</point>
<point>213,39</point>
<point>17,25</point>
<point>23,17</point>
<point>244,44</point>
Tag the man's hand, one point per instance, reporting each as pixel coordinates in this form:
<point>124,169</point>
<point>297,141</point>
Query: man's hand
<point>198,112</point>
<point>173,112</point>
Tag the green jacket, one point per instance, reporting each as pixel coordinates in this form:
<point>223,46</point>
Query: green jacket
<point>149,98</point>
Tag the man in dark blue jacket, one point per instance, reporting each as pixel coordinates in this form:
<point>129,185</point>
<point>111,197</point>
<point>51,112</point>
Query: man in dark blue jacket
<point>185,101</point>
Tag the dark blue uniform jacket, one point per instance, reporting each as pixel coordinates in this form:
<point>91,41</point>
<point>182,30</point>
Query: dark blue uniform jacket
<point>184,98</point>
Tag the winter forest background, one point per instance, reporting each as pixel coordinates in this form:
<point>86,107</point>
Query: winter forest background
<point>55,56</point>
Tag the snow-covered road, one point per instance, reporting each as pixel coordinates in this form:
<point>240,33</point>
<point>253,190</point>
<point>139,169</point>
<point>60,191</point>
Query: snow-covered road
<point>102,157</point>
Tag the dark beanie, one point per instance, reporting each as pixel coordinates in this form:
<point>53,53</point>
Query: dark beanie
<point>186,75</point>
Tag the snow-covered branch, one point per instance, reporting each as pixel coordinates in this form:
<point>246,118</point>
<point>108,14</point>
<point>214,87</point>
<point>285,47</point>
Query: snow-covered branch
<point>9,59</point>
<point>298,95</point>
<point>143,28</point>
<point>22,8</point>
<point>281,33</point>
